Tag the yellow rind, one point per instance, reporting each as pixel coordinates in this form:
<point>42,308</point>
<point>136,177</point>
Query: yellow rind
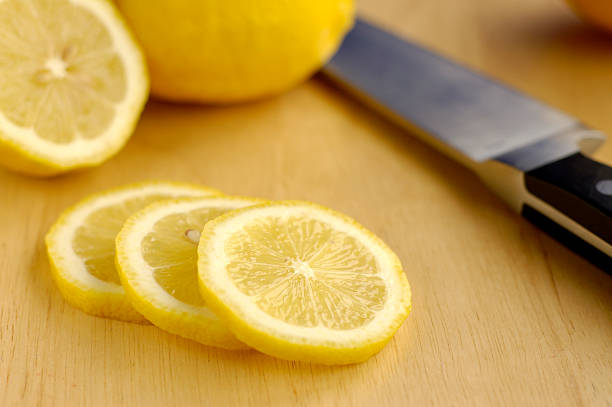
<point>241,45</point>
<point>113,305</point>
<point>106,305</point>
<point>282,347</point>
<point>179,323</point>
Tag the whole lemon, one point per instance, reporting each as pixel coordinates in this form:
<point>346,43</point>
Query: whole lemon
<point>222,51</point>
<point>599,12</point>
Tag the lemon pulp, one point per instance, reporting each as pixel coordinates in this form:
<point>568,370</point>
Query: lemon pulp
<point>94,241</point>
<point>304,272</point>
<point>171,250</point>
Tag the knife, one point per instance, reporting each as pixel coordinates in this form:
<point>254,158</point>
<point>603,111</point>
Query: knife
<point>532,155</point>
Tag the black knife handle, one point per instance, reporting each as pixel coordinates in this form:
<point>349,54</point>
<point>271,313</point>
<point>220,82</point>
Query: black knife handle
<point>579,188</point>
<point>568,239</point>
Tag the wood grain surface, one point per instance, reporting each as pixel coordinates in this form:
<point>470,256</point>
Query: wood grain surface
<point>502,314</point>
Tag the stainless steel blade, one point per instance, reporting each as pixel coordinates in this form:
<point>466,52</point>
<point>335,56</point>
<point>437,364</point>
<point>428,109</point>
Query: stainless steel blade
<point>472,114</point>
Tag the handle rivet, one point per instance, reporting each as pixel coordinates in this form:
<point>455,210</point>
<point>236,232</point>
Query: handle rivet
<point>604,186</point>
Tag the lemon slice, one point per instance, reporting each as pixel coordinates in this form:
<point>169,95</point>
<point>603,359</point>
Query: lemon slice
<point>72,84</point>
<point>299,281</point>
<point>157,264</point>
<point>81,245</point>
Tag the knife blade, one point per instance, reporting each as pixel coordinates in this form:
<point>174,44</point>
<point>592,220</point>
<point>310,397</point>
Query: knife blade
<point>533,155</point>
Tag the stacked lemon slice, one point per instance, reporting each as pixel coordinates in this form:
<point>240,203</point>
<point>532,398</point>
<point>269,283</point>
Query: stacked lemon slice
<point>291,279</point>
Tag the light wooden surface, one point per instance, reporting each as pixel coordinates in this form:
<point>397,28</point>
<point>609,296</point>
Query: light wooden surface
<point>502,314</point>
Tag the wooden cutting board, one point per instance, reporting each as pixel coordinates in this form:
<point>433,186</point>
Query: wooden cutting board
<point>502,315</point>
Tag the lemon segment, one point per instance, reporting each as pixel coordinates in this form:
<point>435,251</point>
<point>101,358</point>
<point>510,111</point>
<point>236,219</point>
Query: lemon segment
<point>157,264</point>
<point>72,84</point>
<point>81,245</point>
<point>299,281</point>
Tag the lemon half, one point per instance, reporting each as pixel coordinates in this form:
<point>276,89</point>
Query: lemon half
<point>73,83</point>
<point>302,282</point>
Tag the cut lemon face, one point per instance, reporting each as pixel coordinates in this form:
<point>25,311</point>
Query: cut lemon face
<point>302,282</point>
<point>81,245</point>
<point>157,264</point>
<point>72,84</point>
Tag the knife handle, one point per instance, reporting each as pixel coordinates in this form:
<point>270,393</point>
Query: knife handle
<point>581,190</point>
